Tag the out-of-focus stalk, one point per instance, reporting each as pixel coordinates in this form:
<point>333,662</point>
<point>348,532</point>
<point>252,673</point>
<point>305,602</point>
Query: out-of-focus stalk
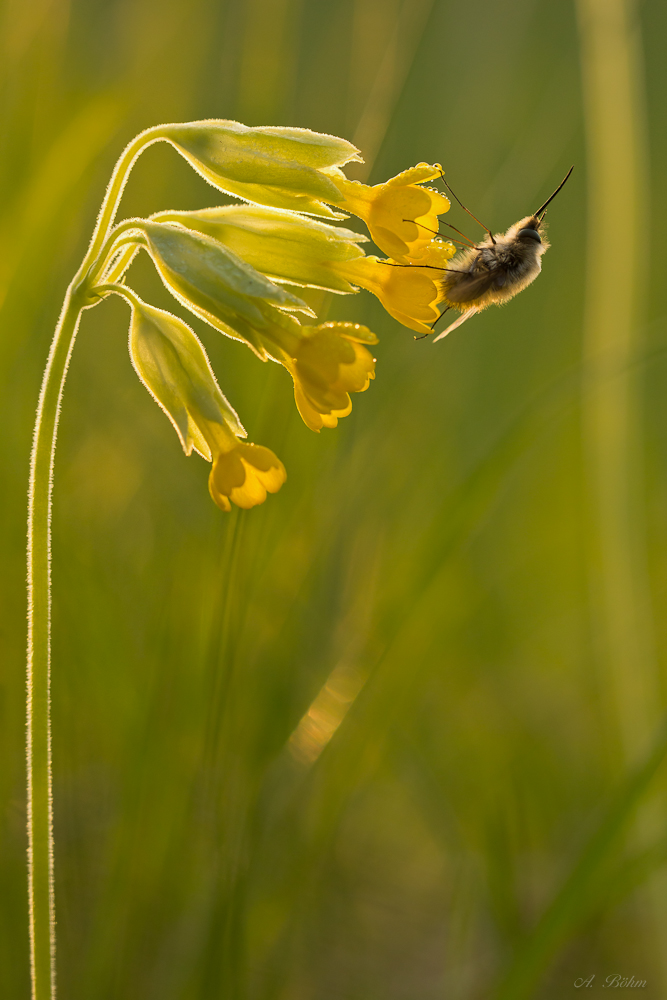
<point>617,199</point>
<point>40,798</point>
<point>612,68</point>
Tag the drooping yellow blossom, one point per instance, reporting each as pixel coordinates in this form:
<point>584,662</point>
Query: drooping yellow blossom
<point>409,292</point>
<point>172,363</point>
<point>305,251</point>
<point>236,266</point>
<point>242,473</point>
<point>401,216</point>
<point>327,364</point>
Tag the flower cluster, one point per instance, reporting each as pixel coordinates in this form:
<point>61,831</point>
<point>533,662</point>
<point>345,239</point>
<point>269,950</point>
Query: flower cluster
<point>240,267</point>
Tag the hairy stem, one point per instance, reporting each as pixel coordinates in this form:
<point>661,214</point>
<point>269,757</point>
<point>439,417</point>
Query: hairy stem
<point>38,749</point>
<point>40,798</point>
<point>114,192</point>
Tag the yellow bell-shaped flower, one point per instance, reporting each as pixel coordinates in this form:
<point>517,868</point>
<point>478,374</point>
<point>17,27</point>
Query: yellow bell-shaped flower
<point>409,292</point>
<point>327,363</point>
<point>171,362</point>
<point>243,473</point>
<point>402,216</point>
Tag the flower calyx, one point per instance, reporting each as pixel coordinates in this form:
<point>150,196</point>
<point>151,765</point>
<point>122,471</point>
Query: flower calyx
<point>269,165</point>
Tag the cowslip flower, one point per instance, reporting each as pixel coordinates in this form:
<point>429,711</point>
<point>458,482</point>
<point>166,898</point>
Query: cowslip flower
<point>401,215</point>
<point>308,252</point>
<point>172,364</point>
<point>292,170</point>
<point>410,292</point>
<point>232,277</point>
<point>242,473</point>
<point>327,363</point>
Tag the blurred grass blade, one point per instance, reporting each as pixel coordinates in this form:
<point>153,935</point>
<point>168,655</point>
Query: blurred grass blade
<point>577,898</point>
<point>390,80</point>
<point>612,419</point>
<point>617,165</point>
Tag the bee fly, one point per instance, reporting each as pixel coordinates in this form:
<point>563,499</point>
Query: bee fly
<point>493,271</point>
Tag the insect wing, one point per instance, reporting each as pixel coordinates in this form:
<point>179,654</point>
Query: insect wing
<point>457,322</point>
<point>467,289</point>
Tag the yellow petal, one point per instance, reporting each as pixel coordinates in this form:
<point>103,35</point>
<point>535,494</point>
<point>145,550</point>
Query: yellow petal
<point>400,215</point>
<point>409,293</point>
<point>244,475</point>
<point>328,366</point>
<point>312,417</point>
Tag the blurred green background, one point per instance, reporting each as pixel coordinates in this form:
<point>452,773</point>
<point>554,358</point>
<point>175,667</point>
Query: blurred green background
<point>389,735</point>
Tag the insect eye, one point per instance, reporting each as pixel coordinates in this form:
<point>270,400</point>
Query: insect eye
<point>529,234</point>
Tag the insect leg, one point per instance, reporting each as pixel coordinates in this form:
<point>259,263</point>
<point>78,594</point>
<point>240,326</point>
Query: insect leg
<point>468,211</point>
<point>433,324</point>
<point>436,232</point>
<point>431,267</point>
<point>425,335</point>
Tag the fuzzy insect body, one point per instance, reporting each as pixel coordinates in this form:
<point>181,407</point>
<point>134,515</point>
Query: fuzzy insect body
<point>493,272</point>
<point>496,269</point>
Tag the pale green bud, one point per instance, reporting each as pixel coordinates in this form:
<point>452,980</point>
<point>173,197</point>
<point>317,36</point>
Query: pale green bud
<point>286,246</point>
<point>218,286</point>
<point>282,167</point>
<point>172,363</point>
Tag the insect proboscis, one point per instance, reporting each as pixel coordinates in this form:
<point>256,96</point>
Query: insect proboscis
<point>494,270</point>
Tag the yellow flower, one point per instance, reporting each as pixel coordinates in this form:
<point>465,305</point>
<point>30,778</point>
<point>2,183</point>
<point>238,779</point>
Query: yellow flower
<point>327,364</point>
<point>409,292</point>
<point>172,363</point>
<point>401,216</point>
<point>294,249</point>
<point>242,473</point>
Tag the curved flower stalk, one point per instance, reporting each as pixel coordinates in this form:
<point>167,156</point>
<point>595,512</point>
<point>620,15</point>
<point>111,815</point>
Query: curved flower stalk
<point>229,267</point>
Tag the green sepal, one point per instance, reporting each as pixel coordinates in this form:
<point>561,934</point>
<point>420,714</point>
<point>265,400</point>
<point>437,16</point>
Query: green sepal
<point>171,362</point>
<point>281,167</point>
<point>285,246</point>
<point>217,285</point>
